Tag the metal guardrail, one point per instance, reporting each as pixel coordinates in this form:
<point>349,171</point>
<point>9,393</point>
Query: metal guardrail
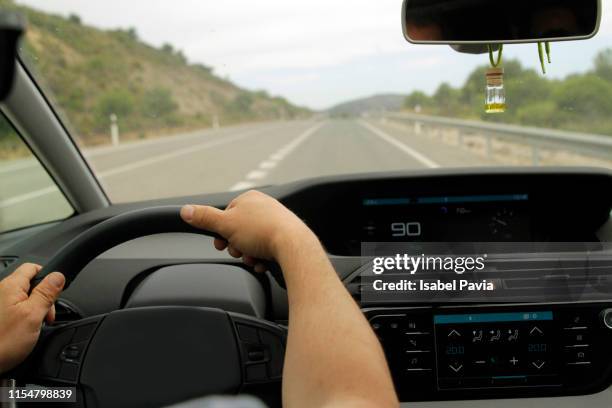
<point>585,143</point>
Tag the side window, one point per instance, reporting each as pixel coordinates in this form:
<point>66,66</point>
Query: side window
<point>28,195</point>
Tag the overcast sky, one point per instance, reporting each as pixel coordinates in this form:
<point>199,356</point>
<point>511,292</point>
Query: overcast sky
<point>313,52</point>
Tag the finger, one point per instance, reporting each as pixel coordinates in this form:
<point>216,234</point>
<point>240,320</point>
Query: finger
<point>24,274</point>
<point>220,244</point>
<point>232,204</point>
<point>248,260</point>
<point>50,318</point>
<point>260,268</point>
<point>45,294</point>
<point>204,217</point>
<point>234,252</point>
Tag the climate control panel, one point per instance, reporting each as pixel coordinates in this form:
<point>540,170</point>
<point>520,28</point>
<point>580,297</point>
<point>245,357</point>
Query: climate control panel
<point>495,351</point>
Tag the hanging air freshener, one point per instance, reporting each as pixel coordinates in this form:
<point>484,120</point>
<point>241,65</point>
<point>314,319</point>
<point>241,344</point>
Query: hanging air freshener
<point>495,99</point>
<point>496,94</point>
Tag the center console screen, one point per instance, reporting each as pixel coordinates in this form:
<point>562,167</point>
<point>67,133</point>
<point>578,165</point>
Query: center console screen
<point>495,349</point>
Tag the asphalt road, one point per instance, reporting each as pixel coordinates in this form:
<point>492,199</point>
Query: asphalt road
<point>232,158</point>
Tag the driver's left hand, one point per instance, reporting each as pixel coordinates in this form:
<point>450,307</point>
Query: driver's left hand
<point>22,313</point>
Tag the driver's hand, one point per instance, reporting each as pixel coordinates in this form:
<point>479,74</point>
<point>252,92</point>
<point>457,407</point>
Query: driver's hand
<point>254,225</point>
<point>21,315</point>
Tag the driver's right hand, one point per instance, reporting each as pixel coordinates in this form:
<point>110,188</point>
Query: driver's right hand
<point>254,225</point>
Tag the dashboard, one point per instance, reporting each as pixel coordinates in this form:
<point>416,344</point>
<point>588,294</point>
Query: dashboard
<point>521,344</point>
<point>485,208</point>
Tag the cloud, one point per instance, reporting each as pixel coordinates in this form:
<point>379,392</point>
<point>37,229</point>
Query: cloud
<point>241,35</point>
<point>315,52</point>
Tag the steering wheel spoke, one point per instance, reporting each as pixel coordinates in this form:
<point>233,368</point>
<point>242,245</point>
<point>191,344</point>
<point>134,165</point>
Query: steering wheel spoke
<point>153,356</point>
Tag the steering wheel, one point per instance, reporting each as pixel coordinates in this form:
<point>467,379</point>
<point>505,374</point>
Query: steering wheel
<point>151,356</point>
<point>76,254</point>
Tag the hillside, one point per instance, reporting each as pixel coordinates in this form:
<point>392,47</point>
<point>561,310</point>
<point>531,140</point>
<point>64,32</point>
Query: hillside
<point>92,73</point>
<point>375,103</point>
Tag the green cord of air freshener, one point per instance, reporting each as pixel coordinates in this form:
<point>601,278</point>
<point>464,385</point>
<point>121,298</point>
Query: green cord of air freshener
<point>541,54</point>
<point>548,51</point>
<point>495,64</point>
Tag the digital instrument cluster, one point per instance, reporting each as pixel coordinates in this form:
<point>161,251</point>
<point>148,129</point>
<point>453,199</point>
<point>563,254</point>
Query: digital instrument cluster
<point>478,218</point>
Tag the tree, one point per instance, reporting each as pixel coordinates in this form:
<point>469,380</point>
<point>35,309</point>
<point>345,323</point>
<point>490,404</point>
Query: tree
<point>241,104</point>
<point>472,92</point>
<point>158,103</point>
<point>542,113</point>
<point>588,97</point>
<point>603,64</point>
<point>118,102</point>
<point>417,98</point>
<point>132,33</point>
<point>73,18</point>
<point>527,87</point>
<point>446,99</point>
<point>203,68</point>
<point>180,56</point>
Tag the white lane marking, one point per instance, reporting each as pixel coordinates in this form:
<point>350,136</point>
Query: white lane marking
<point>18,166</point>
<point>243,185</point>
<point>426,161</point>
<point>174,154</point>
<point>275,158</point>
<point>104,150</point>
<point>28,196</point>
<point>268,164</point>
<point>94,151</point>
<point>256,175</point>
<point>132,166</point>
<point>181,137</point>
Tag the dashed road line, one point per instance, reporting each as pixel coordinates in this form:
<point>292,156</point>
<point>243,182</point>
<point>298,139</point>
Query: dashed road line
<point>176,153</point>
<point>28,196</point>
<point>256,175</point>
<point>25,164</point>
<point>275,158</point>
<point>182,137</point>
<point>242,185</point>
<point>134,165</point>
<point>268,164</point>
<point>418,156</point>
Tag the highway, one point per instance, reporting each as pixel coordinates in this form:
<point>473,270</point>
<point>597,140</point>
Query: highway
<point>232,158</point>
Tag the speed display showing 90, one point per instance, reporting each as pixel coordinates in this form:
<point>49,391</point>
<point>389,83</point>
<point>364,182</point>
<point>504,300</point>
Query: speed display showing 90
<point>489,218</point>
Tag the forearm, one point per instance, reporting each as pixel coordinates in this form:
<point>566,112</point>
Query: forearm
<point>333,357</point>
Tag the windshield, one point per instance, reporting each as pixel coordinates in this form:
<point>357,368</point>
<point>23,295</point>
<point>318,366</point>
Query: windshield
<point>168,99</point>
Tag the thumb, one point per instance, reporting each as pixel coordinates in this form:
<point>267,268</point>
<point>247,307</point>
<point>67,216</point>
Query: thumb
<point>204,217</point>
<point>45,294</point>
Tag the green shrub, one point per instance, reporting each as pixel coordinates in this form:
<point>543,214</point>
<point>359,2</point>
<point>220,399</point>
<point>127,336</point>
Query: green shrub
<point>117,102</point>
<point>158,103</point>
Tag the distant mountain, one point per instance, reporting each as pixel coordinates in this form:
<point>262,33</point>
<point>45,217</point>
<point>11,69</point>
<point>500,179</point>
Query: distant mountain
<point>386,102</point>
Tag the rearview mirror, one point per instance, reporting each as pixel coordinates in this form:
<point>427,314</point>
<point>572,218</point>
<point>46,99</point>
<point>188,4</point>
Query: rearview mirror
<point>499,21</point>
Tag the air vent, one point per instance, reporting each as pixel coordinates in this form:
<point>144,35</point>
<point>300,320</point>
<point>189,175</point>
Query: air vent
<point>6,261</point>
